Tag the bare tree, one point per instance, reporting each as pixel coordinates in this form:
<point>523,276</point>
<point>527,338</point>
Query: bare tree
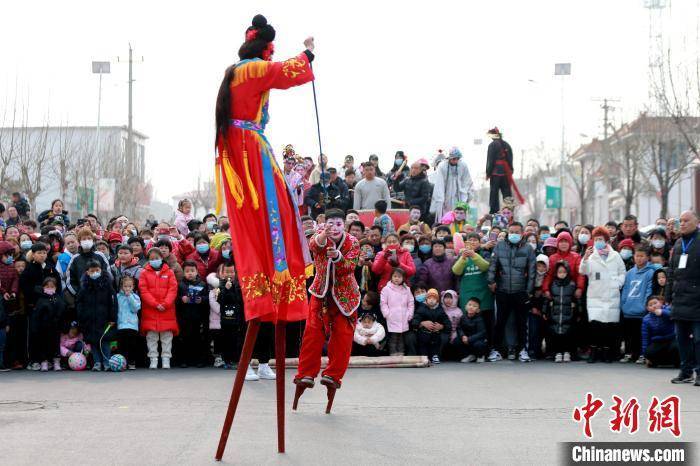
<point>83,169</point>
<point>8,145</point>
<point>61,160</point>
<point>32,156</point>
<point>625,155</point>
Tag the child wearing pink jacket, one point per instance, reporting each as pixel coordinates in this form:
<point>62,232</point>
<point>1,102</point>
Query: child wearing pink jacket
<point>397,306</point>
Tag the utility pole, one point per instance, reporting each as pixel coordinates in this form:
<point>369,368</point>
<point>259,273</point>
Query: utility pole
<point>607,109</point>
<point>129,155</point>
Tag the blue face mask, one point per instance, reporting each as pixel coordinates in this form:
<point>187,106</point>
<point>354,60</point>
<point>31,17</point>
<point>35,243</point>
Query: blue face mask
<point>421,297</point>
<point>10,260</point>
<point>211,225</point>
<point>95,275</point>
<point>545,236</point>
<point>655,266</point>
<point>147,241</point>
<point>514,238</point>
<point>25,245</point>
<point>599,245</point>
<point>425,248</point>
<point>369,254</point>
<point>226,253</point>
<point>156,263</point>
<point>202,248</point>
<point>398,162</point>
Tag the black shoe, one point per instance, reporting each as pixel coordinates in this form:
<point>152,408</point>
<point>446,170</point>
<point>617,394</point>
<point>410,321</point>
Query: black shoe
<point>511,354</point>
<point>183,366</point>
<point>592,355</point>
<point>683,378</point>
<point>200,365</point>
<point>4,369</point>
<point>607,355</point>
<point>697,382</point>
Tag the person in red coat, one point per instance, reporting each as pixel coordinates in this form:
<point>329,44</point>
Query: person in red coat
<point>206,258</point>
<point>335,296</point>
<point>158,289</point>
<point>393,256</point>
<point>564,253</point>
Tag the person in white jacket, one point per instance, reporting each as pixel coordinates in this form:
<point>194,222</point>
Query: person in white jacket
<point>452,184</point>
<point>605,270</point>
<point>369,332</point>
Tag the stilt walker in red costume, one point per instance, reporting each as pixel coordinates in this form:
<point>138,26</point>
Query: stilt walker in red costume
<point>499,169</point>
<point>335,297</point>
<point>269,246</point>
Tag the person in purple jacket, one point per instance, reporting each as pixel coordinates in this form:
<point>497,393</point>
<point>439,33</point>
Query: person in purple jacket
<point>659,345</point>
<point>436,272</point>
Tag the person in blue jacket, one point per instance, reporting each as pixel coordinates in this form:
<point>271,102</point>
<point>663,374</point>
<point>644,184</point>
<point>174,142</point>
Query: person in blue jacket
<point>659,345</point>
<point>636,290</point>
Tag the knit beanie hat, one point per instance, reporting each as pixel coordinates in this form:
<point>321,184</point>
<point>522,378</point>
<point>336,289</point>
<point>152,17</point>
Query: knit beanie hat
<point>434,293</point>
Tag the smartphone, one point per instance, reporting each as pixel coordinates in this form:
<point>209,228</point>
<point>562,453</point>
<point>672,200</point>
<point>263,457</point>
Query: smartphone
<point>493,236</point>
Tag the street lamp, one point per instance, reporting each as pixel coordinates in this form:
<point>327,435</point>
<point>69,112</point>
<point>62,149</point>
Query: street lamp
<point>99,67</point>
<point>562,69</point>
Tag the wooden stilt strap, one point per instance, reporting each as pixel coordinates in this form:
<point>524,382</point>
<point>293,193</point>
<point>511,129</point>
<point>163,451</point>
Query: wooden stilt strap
<point>246,354</point>
<point>280,352</point>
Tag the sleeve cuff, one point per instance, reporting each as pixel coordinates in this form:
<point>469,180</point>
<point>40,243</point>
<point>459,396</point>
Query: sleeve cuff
<point>309,55</point>
<point>337,259</point>
<point>319,244</point>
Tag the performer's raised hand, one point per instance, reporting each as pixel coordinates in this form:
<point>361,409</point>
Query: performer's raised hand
<point>309,44</point>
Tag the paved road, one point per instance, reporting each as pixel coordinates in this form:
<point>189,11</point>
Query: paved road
<point>502,413</point>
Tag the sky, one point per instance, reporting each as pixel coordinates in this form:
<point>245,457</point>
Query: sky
<point>389,75</point>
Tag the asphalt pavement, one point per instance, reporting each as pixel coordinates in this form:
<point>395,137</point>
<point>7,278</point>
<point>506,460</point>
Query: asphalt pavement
<point>493,413</point>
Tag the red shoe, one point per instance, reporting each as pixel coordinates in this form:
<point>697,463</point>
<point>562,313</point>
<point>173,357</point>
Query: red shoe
<point>17,366</point>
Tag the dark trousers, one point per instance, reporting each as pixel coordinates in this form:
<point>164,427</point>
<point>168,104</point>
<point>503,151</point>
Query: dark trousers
<point>265,343</point>
<point>16,348</point>
<point>192,341</point>
<point>663,353</point>
<point>3,340</point>
<point>228,343</point>
<point>507,304</point>
<point>632,334</point>
<point>410,340</point>
<point>44,344</point>
<point>535,325</point>
<point>431,343</point>
<point>604,335</point>
<point>498,184</point>
<point>130,344</point>
<point>478,348</point>
<point>560,342</point>
<point>688,347</point>
<point>489,316</point>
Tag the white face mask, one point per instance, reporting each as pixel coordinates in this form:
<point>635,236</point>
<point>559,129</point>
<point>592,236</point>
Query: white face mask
<point>583,238</point>
<point>658,243</point>
<point>87,244</point>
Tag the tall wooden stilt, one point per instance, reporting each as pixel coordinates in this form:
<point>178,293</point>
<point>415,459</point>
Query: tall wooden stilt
<point>280,353</point>
<point>246,354</point>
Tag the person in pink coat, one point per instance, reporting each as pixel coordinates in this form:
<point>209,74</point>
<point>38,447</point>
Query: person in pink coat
<point>390,258</point>
<point>158,289</point>
<point>397,307</point>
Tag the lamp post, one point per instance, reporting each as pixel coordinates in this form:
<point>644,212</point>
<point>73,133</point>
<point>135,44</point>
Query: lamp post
<point>562,69</point>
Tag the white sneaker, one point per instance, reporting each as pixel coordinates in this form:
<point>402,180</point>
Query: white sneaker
<point>44,366</point>
<point>132,367</point>
<point>154,363</point>
<point>470,358</point>
<point>218,362</point>
<point>435,359</point>
<point>34,366</point>
<point>495,356</point>
<point>626,358</point>
<point>480,359</point>
<point>265,372</point>
<point>57,364</point>
<point>97,367</point>
<point>165,363</point>
<point>640,360</point>
<point>567,357</point>
<point>523,356</point>
<point>250,374</point>
<point>558,357</point>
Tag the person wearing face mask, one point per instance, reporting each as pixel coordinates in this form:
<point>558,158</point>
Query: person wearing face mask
<point>512,273</point>
<point>409,243</point>
<point>583,238</point>
<point>45,324</point>
<point>658,243</point>
<point>573,260</point>
<point>416,188</point>
<point>399,172</point>
<point>96,309</point>
<point>436,272</point>
<point>626,250</point>
<point>393,256</point>
<point>335,297</point>
<point>414,218</point>
<point>206,258</point>
<point>460,218</point>
<point>424,251</point>
<point>366,280</point>
<point>39,267</point>
<point>79,262</point>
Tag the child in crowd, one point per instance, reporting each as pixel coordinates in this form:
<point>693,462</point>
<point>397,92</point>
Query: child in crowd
<point>214,280</point>
<point>454,313</point>
<point>183,215</point>
<point>537,303</point>
<point>626,250</point>
<point>158,289</point>
<point>16,341</point>
<point>636,290</point>
<point>192,316</point>
<point>44,326</point>
<point>657,259</point>
<point>96,309</point>
<point>129,305</point>
<point>4,329</point>
<point>370,304</point>
<point>659,345</point>
<point>433,327</point>
<point>658,282</point>
<point>471,333</point>
<point>369,334</point>
<point>397,307</point>
<point>559,312</point>
<point>126,265</point>
<point>229,298</point>
<point>382,219</point>
<point>73,342</point>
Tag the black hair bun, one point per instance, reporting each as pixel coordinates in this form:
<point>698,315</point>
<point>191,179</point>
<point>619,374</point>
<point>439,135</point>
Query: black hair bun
<point>259,21</point>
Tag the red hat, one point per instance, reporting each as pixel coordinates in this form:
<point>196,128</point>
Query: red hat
<point>5,247</point>
<point>626,243</point>
<point>424,161</point>
<point>494,132</point>
<point>114,236</point>
<point>564,236</point>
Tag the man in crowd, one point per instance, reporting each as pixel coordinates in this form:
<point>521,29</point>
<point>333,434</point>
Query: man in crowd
<point>350,182</point>
<point>683,292</point>
<point>629,229</point>
<point>21,203</point>
<point>325,195</point>
<point>512,278</point>
<point>340,185</point>
<point>370,189</point>
<point>416,188</point>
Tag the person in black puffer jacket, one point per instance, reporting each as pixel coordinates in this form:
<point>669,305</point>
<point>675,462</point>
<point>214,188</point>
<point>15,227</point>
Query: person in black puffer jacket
<point>44,325</point>
<point>417,190</point>
<point>79,263</point>
<point>97,307</point>
<point>560,312</point>
<point>4,326</point>
<point>433,327</point>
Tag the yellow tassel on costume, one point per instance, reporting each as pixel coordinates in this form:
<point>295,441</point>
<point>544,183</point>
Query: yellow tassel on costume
<point>234,183</point>
<point>281,277</point>
<point>219,193</point>
<point>309,270</point>
<point>251,186</point>
<point>252,69</point>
